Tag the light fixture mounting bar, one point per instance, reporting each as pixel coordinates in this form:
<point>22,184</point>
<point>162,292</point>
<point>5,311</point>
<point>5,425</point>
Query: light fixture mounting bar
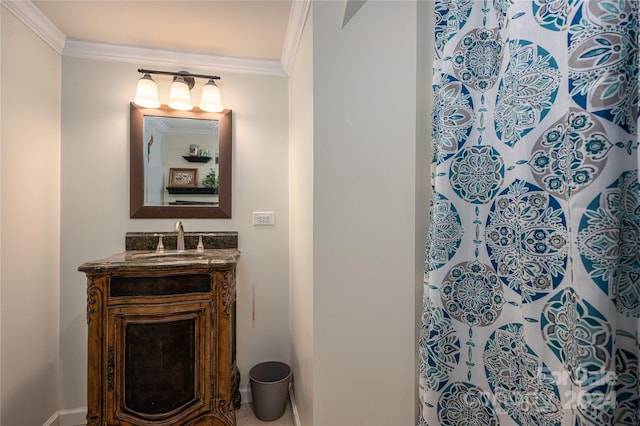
<point>180,73</point>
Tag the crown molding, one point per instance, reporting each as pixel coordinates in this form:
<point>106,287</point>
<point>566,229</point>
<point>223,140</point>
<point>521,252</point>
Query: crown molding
<point>170,58</point>
<point>297,18</point>
<point>37,22</point>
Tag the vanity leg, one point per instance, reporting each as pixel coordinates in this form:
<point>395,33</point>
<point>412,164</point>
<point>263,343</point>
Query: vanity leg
<point>235,387</point>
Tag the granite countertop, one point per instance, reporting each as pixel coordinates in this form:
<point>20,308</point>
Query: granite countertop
<point>221,252</point>
<point>168,259</point>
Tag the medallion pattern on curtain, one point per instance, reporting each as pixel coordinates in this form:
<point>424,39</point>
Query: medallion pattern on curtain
<point>532,285</point>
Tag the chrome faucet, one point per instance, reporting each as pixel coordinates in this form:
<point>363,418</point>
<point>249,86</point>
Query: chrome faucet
<point>180,238</point>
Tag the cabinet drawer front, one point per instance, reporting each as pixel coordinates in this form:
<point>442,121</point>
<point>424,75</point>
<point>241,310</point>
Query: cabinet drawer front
<point>167,285</point>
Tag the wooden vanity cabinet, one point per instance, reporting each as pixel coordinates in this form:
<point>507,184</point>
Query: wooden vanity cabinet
<point>161,345</point>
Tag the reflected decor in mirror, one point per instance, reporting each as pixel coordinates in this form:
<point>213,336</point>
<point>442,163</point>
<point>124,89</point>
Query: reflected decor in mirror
<point>180,163</point>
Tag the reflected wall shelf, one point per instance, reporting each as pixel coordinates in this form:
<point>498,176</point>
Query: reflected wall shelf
<point>173,190</point>
<point>196,159</point>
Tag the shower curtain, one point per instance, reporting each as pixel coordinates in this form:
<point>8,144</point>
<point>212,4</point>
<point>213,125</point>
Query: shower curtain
<point>532,275</point>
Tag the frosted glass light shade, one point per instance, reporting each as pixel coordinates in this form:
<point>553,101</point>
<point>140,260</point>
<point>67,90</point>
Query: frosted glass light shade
<point>211,100</point>
<point>147,93</point>
<point>179,96</point>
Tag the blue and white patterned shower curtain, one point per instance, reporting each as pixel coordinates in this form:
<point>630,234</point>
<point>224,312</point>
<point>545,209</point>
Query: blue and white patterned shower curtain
<point>532,286</point>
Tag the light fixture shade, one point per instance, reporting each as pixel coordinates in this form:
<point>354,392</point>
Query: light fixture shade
<point>179,96</point>
<point>211,100</point>
<point>147,93</point>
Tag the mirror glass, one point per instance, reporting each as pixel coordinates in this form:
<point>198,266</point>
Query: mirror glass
<point>180,163</point>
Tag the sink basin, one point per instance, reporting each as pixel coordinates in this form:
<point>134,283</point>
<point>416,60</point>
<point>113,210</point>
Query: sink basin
<point>168,256</point>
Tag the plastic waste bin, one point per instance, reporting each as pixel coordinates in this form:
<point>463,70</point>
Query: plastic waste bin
<point>270,389</point>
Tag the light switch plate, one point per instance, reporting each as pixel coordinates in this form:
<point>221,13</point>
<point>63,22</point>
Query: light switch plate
<point>263,219</point>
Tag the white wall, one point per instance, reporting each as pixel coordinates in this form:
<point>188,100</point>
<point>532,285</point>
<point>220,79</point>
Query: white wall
<point>357,211</point>
<point>301,206</point>
<point>95,204</point>
<point>365,185</point>
<point>29,225</point>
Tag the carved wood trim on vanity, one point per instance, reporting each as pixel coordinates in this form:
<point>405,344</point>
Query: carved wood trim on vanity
<point>161,341</point>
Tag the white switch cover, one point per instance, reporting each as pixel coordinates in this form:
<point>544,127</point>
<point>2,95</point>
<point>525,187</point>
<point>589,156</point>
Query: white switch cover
<point>263,219</point>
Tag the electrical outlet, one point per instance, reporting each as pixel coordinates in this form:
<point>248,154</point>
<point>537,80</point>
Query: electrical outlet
<point>263,219</point>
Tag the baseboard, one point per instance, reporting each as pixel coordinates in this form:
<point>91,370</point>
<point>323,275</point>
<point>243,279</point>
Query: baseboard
<point>53,420</point>
<point>245,395</point>
<point>294,408</point>
<point>78,416</point>
<point>73,417</point>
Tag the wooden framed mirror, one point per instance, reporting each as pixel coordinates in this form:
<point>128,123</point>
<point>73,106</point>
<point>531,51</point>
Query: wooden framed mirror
<point>174,155</point>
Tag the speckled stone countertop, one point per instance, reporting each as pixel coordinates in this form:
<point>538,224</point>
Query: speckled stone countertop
<point>220,252</point>
<point>164,260</point>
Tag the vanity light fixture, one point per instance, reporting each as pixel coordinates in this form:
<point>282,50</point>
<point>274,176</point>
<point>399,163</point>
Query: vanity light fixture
<point>147,93</point>
<point>179,95</point>
<point>210,100</point>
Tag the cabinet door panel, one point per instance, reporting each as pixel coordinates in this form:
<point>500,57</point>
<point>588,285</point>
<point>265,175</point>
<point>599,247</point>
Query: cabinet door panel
<point>161,356</point>
<point>159,365</point>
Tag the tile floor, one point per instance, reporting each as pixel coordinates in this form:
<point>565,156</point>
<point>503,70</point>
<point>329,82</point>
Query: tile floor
<point>246,417</point>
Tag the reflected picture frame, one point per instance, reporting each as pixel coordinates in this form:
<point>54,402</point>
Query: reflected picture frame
<point>183,178</point>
